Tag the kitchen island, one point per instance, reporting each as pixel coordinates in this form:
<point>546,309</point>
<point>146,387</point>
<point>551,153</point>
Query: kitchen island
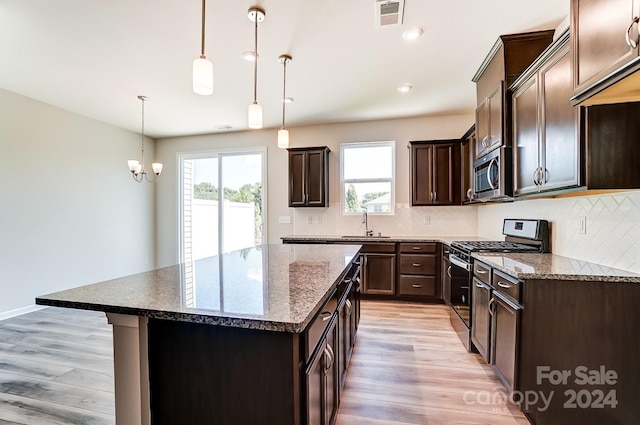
<point>245,337</point>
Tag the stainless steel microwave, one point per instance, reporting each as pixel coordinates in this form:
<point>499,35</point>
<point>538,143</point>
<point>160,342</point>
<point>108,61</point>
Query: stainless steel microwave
<point>492,176</point>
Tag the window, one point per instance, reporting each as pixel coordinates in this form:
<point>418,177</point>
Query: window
<point>367,177</point>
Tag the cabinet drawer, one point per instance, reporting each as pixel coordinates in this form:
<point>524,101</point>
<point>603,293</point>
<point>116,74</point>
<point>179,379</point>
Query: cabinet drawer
<point>418,248</point>
<point>422,286</point>
<point>378,247</point>
<point>508,285</point>
<point>482,272</point>
<point>418,264</point>
<point>319,325</point>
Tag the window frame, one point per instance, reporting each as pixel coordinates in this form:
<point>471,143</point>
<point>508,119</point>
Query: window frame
<point>391,181</point>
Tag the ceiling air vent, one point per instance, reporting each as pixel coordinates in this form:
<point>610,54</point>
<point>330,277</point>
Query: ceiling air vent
<point>389,12</point>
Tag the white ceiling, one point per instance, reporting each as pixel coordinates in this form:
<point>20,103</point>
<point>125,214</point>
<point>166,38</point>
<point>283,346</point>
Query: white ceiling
<point>94,57</point>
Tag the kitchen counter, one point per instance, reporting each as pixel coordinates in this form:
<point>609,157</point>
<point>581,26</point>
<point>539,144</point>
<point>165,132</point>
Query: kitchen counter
<point>269,287</point>
<point>376,239</point>
<point>554,267</point>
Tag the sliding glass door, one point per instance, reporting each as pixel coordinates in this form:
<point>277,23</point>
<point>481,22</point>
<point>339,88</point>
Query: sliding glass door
<point>222,209</point>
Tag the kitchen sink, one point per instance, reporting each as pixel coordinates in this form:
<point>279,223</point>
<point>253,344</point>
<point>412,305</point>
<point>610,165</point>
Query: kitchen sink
<point>363,236</point>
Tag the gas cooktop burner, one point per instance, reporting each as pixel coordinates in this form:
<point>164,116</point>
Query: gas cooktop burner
<point>493,246</point>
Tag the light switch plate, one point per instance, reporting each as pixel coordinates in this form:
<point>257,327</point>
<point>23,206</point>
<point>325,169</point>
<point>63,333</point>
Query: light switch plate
<point>582,225</point>
<point>284,219</point>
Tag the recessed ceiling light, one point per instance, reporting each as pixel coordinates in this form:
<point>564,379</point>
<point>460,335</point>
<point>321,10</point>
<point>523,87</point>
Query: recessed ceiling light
<point>405,88</point>
<point>412,34</point>
<point>249,55</point>
<point>287,99</point>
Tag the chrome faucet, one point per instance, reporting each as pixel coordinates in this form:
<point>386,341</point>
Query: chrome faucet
<point>365,220</point>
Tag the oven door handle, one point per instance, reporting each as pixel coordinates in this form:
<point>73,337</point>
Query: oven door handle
<point>459,262</point>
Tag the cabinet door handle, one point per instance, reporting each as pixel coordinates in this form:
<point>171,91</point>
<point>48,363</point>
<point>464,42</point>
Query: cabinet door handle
<point>545,172</point>
<point>449,271</point>
<point>327,360</point>
<point>416,265</point>
<point>504,285</point>
<point>535,176</point>
<point>470,194</point>
<point>631,42</point>
<point>348,304</point>
<point>332,356</point>
<point>491,305</point>
<point>326,315</point>
<point>484,141</point>
<point>435,196</point>
<point>416,285</point>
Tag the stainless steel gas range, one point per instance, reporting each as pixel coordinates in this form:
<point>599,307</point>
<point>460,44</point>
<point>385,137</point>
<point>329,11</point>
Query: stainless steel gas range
<point>523,235</point>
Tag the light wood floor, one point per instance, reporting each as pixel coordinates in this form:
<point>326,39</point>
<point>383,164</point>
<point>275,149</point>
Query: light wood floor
<point>408,368</point>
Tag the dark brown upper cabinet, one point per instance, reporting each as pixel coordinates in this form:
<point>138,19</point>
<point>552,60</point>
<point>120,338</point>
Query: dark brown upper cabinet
<point>435,172</point>
<point>309,177</point>
<point>604,36</point>
<point>546,136</point>
<point>509,57</point>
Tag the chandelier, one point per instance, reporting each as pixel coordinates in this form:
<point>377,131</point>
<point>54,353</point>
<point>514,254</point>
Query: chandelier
<point>137,167</point>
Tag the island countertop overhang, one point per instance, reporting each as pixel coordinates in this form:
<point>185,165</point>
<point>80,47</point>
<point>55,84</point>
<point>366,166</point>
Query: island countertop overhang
<point>268,287</point>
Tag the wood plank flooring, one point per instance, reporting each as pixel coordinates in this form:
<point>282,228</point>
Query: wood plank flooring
<point>408,368</point>
<point>56,367</point>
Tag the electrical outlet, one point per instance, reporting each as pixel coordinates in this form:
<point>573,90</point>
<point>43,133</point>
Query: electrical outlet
<point>309,219</point>
<point>284,219</point>
<point>319,219</point>
<point>427,219</point>
<point>582,225</point>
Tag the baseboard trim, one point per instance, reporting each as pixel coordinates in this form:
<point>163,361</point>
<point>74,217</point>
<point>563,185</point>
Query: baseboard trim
<point>20,311</point>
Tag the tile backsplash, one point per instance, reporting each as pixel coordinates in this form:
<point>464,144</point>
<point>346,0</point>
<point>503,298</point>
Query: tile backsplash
<point>611,237</point>
<point>612,231</point>
<point>407,221</point>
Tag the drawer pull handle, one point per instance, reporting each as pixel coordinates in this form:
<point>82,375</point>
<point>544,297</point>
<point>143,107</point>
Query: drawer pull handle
<point>479,285</point>
<point>326,315</point>
<point>480,271</point>
<point>416,248</point>
<point>416,286</point>
<point>504,285</point>
<point>417,264</point>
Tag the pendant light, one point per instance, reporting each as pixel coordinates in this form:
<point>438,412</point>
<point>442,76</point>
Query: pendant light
<point>137,167</point>
<point>283,133</point>
<point>256,14</point>
<point>202,67</point>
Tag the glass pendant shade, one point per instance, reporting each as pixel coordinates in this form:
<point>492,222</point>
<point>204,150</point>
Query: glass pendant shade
<point>255,116</point>
<point>157,168</point>
<point>134,165</point>
<point>203,76</point>
<point>283,138</point>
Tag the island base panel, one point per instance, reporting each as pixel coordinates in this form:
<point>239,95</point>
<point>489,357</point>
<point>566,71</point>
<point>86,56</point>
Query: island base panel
<point>204,374</point>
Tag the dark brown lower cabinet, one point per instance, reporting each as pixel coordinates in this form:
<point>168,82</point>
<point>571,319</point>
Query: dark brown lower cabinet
<point>379,273</point>
<point>347,315</point>
<point>480,317</point>
<point>323,381</point>
<point>504,339</point>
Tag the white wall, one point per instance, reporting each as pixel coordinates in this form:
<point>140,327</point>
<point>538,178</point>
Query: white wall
<point>406,222</point>
<point>612,233</point>
<point>71,213</point>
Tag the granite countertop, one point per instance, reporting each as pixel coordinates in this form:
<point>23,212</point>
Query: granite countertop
<point>554,267</point>
<point>268,287</point>
<point>377,239</point>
